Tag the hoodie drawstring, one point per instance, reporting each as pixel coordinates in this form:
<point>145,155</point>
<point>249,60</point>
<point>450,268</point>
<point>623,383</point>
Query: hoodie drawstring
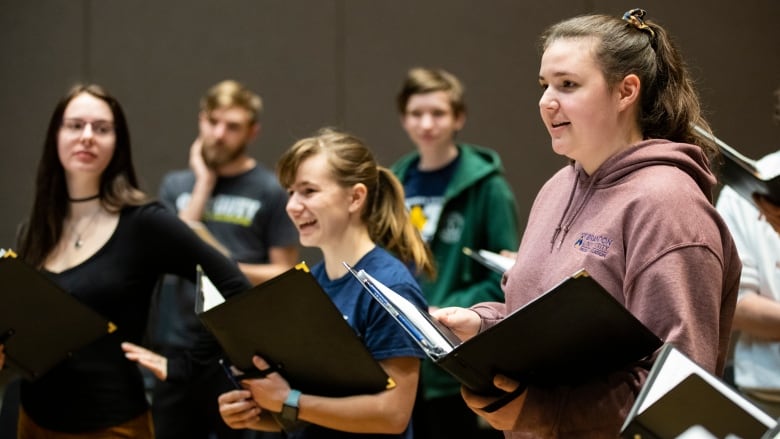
<point>565,228</point>
<point>565,211</point>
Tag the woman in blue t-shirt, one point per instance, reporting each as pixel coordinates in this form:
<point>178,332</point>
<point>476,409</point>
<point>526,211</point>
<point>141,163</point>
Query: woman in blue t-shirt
<point>353,210</point>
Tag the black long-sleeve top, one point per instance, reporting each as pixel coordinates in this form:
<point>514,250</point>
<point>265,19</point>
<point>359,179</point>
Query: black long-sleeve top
<point>98,387</point>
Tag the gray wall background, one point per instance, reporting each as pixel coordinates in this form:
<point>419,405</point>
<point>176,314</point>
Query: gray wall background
<point>340,63</point>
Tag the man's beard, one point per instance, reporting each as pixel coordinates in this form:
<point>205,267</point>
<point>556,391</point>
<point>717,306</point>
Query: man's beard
<point>215,155</point>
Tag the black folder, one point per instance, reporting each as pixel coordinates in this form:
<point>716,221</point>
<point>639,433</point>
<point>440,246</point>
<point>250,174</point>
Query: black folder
<point>679,394</point>
<point>741,173</point>
<point>292,323</point>
<point>40,323</point>
<point>569,334</point>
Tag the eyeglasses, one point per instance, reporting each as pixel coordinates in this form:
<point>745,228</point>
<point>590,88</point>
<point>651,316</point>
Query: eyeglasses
<point>77,126</point>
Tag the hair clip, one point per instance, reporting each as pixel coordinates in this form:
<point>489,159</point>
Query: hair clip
<point>636,18</point>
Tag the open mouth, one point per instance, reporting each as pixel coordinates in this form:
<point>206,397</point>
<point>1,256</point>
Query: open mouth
<point>560,124</point>
<point>306,225</point>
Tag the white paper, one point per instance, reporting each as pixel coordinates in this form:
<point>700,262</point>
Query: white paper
<point>413,314</point>
<point>211,295</point>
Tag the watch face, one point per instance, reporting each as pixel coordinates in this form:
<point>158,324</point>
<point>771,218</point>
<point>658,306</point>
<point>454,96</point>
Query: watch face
<point>289,413</point>
<point>289,417</point>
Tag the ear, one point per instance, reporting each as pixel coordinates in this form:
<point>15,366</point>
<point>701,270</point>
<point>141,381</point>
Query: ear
<point>254,131</point>
<point>628,91</point>
<point>460,121</point>
<point>357,197</point>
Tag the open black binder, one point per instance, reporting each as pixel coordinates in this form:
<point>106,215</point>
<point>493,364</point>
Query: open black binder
<point>679,394</point>
<point>41,324</point>
<point>292,323</point>
<point>575,323</point>
<point>742,174</point>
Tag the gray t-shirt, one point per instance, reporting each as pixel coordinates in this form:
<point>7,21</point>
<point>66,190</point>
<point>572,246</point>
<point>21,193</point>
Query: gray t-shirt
<point>246,213</point>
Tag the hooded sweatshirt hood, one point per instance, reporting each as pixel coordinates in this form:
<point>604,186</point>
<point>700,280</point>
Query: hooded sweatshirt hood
<point>477,163</point>
<point>688,158</point>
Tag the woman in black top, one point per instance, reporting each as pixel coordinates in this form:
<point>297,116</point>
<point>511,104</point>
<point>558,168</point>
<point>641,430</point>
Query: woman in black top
<point>93,232</point>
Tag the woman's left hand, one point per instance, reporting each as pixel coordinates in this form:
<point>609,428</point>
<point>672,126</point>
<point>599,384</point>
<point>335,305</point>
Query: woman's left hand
<point>153,361</point>
<point>505,418</point>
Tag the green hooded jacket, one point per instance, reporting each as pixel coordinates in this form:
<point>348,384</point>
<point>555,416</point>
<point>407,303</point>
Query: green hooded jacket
<point>479,212</point>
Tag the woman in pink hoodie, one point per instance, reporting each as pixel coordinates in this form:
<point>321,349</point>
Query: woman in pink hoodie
<point>633,208</point>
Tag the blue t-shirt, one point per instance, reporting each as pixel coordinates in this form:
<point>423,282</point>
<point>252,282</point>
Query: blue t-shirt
<point>381,334</point>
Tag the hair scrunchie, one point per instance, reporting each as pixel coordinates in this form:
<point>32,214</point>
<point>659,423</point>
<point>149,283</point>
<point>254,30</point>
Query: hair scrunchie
<point>636,17</point>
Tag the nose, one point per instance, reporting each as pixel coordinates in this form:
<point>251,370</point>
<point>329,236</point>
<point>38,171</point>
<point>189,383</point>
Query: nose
<point>426,121</point>
<point>294,206</point>
<point>548,101</point>
<point>219,130</point>
<point>87,132</point>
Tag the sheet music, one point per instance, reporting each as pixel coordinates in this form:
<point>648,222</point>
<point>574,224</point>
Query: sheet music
<point>432,341</point>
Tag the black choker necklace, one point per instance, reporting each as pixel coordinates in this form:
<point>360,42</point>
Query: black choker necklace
<point>79,200</point>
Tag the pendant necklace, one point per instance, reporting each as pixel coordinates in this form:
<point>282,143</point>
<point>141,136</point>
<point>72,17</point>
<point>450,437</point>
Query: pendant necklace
<point>79,241</point>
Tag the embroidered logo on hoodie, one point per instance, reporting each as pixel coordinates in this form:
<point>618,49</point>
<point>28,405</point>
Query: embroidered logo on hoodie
<point>596,244</point>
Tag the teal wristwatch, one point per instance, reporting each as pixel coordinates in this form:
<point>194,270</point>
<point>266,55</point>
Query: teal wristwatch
<point>289,413</point>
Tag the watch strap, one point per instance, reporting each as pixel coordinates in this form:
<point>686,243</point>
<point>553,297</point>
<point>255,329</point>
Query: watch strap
<point>288,418</point>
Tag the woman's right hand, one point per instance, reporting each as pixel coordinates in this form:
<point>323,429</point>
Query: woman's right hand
<point>238,410</point>
<point>156,363</point>
<point>464,322</point>
<point>2,356</point>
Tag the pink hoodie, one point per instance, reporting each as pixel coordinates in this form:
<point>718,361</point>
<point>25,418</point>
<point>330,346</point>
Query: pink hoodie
<point>643,225</point>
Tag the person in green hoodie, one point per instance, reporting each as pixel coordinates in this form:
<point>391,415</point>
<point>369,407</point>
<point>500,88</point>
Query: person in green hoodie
<point>457,197</point>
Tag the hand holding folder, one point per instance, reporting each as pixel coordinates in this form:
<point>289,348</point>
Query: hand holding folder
<point>291,323</point>
<point>600,336</point>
